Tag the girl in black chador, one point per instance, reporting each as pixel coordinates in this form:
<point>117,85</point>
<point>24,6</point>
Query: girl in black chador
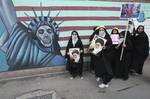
<point>92,66</point>
<point>115,36</point>
<point>75,67</point>
<point>141,49</point>
<point>102,59</point>
<point>123,65</point>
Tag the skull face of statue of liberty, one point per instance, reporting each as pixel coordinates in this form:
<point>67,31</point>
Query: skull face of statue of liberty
<point>45,35</point>
<point>37,44</point>
<point>33,44</point>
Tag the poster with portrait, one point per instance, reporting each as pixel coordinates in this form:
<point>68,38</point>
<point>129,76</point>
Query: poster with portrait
<point>97,44</point>
<point>130,10</point>
<point>115,38</point>
<point>74,54</point>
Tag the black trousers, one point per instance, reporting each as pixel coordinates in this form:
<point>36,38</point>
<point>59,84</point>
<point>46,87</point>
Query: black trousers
<point>106,78</point>
<point>76,69</point>
<point>139,67</point>
<point>92,63</point>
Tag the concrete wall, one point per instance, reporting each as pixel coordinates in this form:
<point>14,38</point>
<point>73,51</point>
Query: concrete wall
<point>20,49</point>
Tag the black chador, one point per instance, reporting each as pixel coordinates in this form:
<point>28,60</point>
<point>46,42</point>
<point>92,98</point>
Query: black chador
<point>92,63</point>
<point>102,59</point>
<point>73,67</point>
<point>141,49</point>
<point>122,67</point>
<point>115,54</point>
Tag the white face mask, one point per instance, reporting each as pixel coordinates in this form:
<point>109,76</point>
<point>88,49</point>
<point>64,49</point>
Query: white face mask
<point>102,33</point>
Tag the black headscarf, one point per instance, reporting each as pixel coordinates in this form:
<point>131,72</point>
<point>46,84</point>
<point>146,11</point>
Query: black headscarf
<point>116,30</point>
<point>70,40</point>
<point>138,28</point>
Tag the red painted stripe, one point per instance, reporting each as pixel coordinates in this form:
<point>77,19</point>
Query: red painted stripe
<point>38,8</point>
<point>75,18</point>
<point>69,28</point>
<point>67,38</point>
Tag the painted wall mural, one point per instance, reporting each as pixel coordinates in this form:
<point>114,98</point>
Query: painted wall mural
<point>34,33</point>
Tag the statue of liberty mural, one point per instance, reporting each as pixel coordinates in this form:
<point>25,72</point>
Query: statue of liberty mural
<point>31,46</point>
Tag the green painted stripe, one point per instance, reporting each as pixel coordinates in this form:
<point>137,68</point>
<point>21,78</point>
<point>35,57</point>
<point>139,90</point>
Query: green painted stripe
<point>91,23</point>
<point>71,13</point>
<point>87,59</point>
<point>81,33</point>
<point>65,3</point>
<point>146,8</point>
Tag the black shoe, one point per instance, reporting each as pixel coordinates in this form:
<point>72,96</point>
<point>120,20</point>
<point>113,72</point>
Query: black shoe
<point>132,71</point>
<point>140,73</point>
<point>125,78</point>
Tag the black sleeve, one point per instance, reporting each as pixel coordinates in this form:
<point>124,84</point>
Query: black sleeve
<point>129,45</point>
<point>81,46</point>
<point>108,44</point>
<point>146,47</point>
<point>67,48</point>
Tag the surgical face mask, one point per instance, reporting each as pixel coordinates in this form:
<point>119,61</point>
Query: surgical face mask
<point>102,33</point>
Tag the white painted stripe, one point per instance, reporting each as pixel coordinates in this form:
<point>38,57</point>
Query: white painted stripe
<point>90,23</point>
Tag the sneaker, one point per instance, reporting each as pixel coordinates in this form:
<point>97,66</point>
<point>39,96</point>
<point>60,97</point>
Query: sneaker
<point>71,78</point>
<point>106,85</point>
<point>82,78</point>
<point>103,85</point>
<point>98,79</point>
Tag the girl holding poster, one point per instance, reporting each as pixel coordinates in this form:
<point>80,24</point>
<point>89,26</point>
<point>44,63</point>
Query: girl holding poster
<point>115,55</point>
<point>74,55</point>
<point>102,59</point>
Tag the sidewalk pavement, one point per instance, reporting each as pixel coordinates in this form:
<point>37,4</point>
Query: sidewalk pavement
<point>136,87</point>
